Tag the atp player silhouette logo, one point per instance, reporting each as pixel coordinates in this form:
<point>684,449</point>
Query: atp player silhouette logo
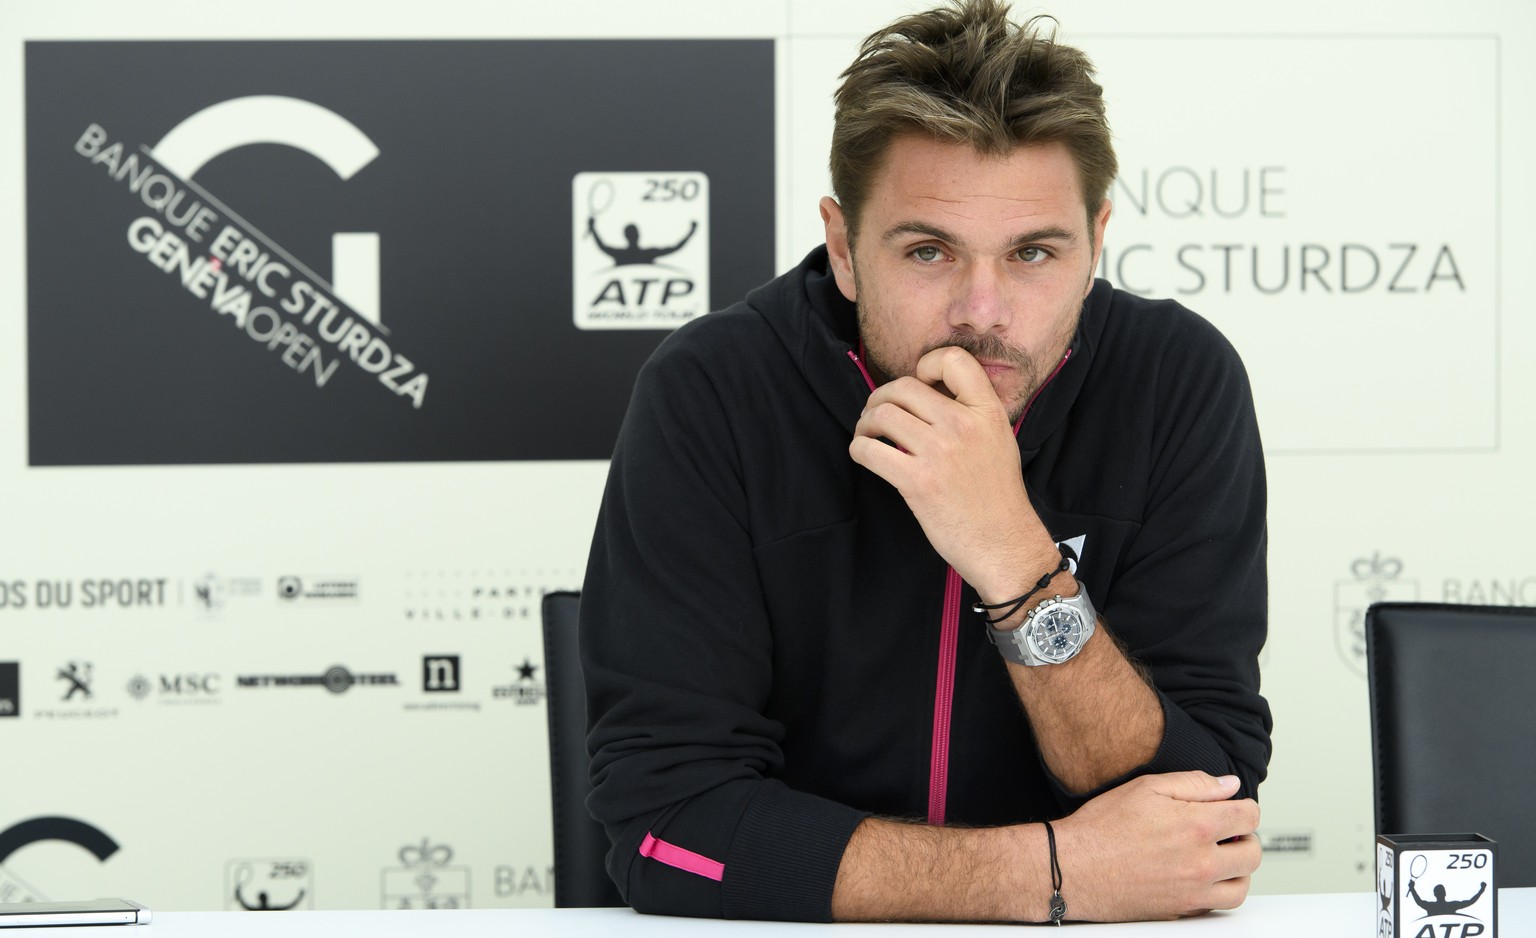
<point>657,277</point>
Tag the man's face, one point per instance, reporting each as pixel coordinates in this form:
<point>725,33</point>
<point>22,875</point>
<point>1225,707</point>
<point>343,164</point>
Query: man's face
<point>991,254</point>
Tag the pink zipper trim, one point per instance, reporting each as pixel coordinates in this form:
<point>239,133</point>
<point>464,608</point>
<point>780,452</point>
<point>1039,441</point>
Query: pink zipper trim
<point>859,361</point>
<point>944,699</point>
<point>949,639</point>
<point>685,860</point>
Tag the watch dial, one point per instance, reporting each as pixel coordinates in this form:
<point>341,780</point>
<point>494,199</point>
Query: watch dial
<point>1056,633</point>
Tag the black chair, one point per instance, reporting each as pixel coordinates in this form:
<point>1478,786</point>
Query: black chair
<point>580,842</point>
<point>1453,695</point>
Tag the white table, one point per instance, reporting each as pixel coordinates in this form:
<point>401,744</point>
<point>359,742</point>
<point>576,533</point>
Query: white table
<point>1326,915</point>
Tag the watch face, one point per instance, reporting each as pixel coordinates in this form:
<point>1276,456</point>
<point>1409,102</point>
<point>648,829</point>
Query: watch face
<point>1055,632</point>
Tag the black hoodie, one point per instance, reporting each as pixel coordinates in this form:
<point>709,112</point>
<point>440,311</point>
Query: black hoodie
<point>763,622</point>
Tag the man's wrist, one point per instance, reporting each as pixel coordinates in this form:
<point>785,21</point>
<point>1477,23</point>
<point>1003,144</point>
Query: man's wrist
<point>1034,872</point>
<point>1011,554</point>
<point>1059,583</point>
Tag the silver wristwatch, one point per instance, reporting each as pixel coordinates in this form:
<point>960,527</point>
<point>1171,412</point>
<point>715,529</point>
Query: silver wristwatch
<point>1053,632</point>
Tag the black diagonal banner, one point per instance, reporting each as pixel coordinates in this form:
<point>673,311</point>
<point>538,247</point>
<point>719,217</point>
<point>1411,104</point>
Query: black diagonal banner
<point>254,252</point>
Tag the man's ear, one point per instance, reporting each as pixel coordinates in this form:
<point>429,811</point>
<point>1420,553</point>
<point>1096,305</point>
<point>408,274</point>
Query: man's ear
<point>1100,222</point>
<point>839,250</point>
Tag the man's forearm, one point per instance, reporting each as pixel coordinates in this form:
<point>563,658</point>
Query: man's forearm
<point>897,871</point>
<point>1095,718</point>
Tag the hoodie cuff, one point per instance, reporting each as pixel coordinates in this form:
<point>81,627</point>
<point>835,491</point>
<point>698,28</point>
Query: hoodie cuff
<point>784,858</point>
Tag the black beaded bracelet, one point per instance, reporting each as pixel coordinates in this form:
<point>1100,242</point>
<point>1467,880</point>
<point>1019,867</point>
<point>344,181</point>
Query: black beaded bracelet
<point>1014,605</point>
<point>1058,904</point>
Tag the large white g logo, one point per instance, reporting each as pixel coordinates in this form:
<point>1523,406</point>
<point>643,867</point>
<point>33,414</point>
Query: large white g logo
<point>304,125</point>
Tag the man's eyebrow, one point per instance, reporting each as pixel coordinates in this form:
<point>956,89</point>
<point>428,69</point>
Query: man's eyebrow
<point>1034,236</point>
<point>919,228</point>
<point>1048,233</point>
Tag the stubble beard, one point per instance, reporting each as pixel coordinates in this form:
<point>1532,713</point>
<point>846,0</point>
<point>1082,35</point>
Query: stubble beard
<point>1033,371</point>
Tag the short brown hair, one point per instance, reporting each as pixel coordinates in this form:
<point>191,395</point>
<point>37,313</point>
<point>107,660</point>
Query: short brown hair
<point>965,73</point>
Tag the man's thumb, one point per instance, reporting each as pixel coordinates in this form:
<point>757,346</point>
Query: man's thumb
<point>1197,786</point>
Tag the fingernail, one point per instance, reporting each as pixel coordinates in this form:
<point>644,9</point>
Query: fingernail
<point>1227,781</point>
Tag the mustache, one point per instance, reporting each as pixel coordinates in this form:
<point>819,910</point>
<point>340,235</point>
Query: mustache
<point>986,347</point>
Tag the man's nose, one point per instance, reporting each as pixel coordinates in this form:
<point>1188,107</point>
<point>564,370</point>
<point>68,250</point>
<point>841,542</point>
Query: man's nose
<point>981,300</point>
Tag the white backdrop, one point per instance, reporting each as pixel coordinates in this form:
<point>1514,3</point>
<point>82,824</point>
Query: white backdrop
<point>1340,187</point>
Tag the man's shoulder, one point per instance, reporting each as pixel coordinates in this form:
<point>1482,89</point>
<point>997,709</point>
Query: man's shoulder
<point>719,342</point>
<point>1128,329</point>
<point>754,333</point>
<point>1154,319</point>
<point>721,330</point>
<point>1155,357</point>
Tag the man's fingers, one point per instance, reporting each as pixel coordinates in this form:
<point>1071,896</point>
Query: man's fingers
<point>1237,859</point>
<point>1222,822</point>
<point>1228,894</point>
<point>960,372</point>
<point>923,401</point>
<point>895,420</point>
<point>1194,786</point>
<point>1229,875</point>
<point>1174,844</point>
<point>1238,818</point>
<point>883,459</point>
<point>1236,872</point>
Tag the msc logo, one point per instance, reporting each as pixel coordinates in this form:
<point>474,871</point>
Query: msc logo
<point>305,126</point>
<point>176,688</point>
<point>440,673</point>
<point>189,684</point>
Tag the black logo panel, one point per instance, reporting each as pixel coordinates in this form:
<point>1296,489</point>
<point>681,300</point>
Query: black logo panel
<point>254,252</point>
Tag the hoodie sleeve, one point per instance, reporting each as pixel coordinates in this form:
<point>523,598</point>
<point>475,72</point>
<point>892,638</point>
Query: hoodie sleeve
<point>1190,597</point>
<point>676,652</point>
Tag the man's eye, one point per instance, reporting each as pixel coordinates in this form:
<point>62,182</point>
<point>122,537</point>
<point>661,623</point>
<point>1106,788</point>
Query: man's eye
<point>1032,255</point>
<point>927,253</point>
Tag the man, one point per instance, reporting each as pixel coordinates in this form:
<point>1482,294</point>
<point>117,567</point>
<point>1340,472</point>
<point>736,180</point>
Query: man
<point>795,711</point>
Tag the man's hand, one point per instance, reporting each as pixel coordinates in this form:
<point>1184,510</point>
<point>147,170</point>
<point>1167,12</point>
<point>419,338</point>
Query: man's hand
<point>957,466</point>
<point>1149,849</point>
<point>956,463</point>
<point>1159,847</point>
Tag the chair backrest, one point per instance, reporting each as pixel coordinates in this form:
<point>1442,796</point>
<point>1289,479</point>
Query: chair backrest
<point>581,881</point>
<point>1453,695</point>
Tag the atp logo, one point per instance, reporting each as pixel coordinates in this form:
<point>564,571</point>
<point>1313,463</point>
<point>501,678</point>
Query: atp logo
<point>269,885</point>
<point>640,255</point>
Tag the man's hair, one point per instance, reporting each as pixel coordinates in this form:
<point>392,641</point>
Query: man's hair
<point>965,73</point>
